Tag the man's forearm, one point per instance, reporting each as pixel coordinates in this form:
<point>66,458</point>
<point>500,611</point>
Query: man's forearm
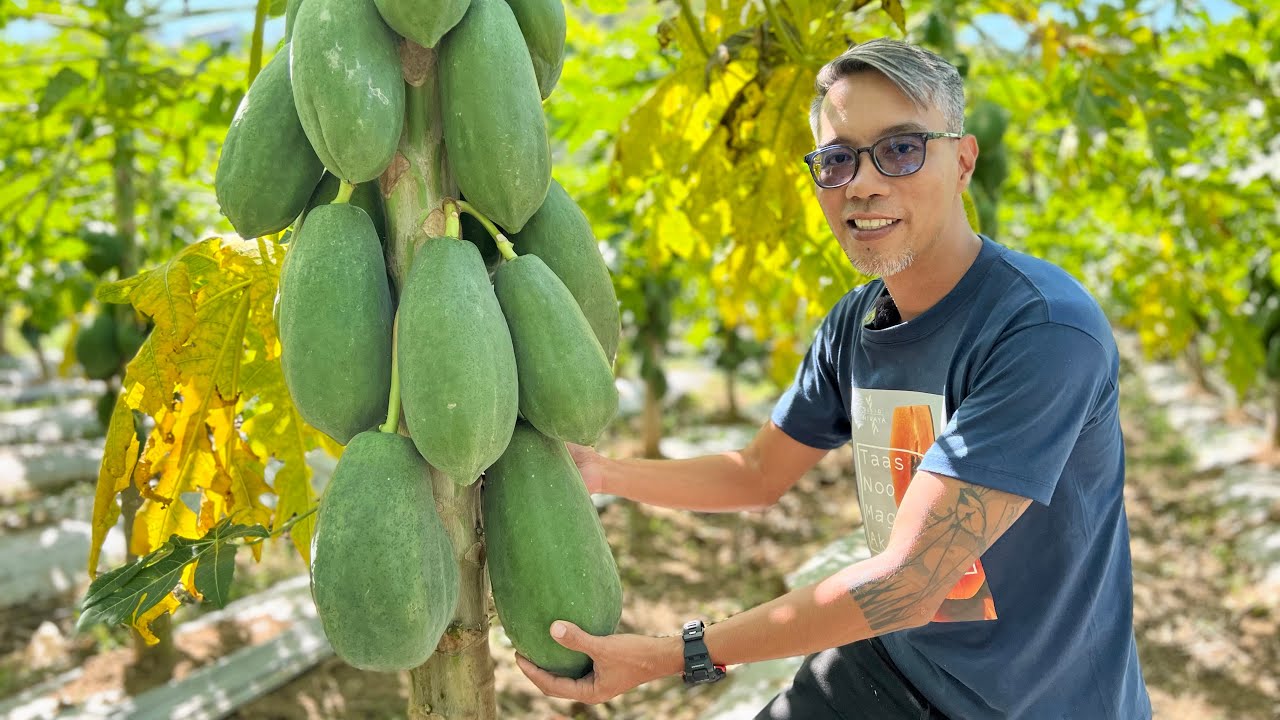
<point>714,483</point>
<point>824,615</point>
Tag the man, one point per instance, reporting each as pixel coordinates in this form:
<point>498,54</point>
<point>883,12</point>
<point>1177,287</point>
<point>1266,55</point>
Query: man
<point>979,389</point>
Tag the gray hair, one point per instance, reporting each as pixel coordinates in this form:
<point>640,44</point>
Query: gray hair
<point>925,78</point>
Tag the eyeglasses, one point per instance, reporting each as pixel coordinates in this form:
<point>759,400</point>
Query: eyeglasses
<point>834,166</point>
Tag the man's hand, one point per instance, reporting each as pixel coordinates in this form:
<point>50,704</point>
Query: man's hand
<point>588,462</point>
<point>621,662</point>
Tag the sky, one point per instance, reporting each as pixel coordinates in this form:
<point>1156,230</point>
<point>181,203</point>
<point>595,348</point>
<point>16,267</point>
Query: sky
<point>236,19</point>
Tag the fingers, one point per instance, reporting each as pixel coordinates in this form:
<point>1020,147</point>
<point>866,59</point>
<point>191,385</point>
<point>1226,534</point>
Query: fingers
<point>555,686</point>
<point>572,636</point>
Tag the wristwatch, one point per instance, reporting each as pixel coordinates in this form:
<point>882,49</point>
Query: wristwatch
<point>698,668</point>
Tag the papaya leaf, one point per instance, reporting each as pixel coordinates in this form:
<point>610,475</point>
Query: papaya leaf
<point>208,376</point>
<point>60,86</point>
<point>129,594</point>
<point>120,457</point>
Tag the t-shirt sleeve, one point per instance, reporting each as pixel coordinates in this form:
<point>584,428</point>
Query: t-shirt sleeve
<point>1032,398</point>
<point>812,410</point>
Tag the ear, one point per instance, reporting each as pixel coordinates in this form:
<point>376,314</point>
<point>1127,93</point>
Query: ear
<point>968,159</point>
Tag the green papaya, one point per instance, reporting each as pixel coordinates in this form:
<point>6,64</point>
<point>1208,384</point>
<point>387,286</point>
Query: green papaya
<point>566,383</point>
<point>456,363</point>
<point>383,574</point>
<point>130,334</point>
<point>335,322</point>
<point>267,169</point>
<point>348,86</point>
<point>366,196</point>
<point>290,16</point>
<point>542,24</point>
<point>548,556</point>
<point>105,251</point>
<point>561,235</point>
<point>96,348</point>
<point>500,159</point>
<point>422,21</point>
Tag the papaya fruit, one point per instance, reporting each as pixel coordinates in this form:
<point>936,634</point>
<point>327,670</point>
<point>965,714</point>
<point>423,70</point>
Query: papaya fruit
<point>566,384</point>
<point>96,348</point>
<point>561,235</point>
<point>366,196</point>
<point>104,251</point>
<point>501,160</point>
<point>335,322</point>
<point>548,555</point>
<point>422,21</point>
<point>290,15</point>
<point>348,86</point>
<point>130,334</point>
<point>267,168</point>
<point>542,24</point>
<point>383,574</point>
<point>456,362</point>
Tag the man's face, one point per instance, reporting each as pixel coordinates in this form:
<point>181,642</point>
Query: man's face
<point>858,111</point>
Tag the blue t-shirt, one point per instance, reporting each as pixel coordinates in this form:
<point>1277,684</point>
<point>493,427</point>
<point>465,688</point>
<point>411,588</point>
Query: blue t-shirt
<point>1012,379</point>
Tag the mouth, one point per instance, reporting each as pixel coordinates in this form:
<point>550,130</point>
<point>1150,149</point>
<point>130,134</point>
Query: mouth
<point>864,228</point>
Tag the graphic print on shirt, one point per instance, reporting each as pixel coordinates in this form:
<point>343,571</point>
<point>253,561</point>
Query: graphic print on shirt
<point>892,430</point>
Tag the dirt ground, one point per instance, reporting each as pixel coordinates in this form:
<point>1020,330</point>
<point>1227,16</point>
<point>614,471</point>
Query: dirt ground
<point>1207,635</point>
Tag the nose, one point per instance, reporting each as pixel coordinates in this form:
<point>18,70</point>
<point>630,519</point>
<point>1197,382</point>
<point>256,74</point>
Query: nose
<point>867,180</point>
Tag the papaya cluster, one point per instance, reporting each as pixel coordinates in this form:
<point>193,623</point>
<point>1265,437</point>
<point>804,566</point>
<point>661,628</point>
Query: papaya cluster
<point>497,352</point>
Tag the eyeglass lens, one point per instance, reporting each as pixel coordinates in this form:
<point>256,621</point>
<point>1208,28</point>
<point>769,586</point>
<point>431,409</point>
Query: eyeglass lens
<point>894,156</point>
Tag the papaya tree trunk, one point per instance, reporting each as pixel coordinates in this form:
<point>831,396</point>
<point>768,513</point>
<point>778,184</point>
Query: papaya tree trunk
<point>1275,415</point>
<point>457,681</point>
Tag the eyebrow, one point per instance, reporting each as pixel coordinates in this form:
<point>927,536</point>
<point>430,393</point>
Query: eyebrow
<point>892,129</point>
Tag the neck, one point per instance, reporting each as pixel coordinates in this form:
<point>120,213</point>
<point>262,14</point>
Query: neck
<point>934,272</point>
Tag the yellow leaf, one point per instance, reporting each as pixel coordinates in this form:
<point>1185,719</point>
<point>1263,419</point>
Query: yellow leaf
<point>118,460</point>
<point>142,623</point>
<point>895,11</point>
<point>209,377</point>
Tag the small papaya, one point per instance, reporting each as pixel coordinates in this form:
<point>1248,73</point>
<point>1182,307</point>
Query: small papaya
<point>565,382</point>
<point>335,322</point>
<point>422,21</point>
<point>501,160</point>
<point>542,24</point>
<point>548,555</point>
<point>96,347</point>
<point>348,86</point>
<point>561,235</point>
<point>383,573</point>
<point>267,168</point>
<point>456,362</point>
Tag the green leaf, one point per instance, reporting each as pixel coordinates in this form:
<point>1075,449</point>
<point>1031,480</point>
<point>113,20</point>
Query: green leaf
<point>218,563</point>
<point>128,592</point>
<point>59,87</point>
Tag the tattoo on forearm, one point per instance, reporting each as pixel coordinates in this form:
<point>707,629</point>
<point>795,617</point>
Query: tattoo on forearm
<point>944,549</point>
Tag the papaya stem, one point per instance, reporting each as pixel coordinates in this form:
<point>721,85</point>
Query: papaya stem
<point>344,192</point>
<point>277,532</point>
<point>452,223</point>
<point>504,245</point>
<point>393,402</point>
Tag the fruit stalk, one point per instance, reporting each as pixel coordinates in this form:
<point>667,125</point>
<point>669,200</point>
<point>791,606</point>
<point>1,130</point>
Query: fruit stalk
<point>504,245</point>
<point>457,682</point>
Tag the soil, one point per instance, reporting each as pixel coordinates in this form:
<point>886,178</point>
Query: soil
<point>1207,630</point>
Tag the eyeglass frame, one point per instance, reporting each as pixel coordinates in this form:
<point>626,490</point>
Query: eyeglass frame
<point>869,150</point>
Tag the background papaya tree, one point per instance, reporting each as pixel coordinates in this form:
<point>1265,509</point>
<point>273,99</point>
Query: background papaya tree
<point>106,173</point>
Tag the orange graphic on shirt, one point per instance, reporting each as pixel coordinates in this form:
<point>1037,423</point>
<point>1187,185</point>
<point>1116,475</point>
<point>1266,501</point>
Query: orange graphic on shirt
<point>910,436</point>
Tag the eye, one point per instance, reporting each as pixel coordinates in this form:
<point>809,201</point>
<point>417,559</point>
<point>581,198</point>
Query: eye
<point>836,157</point>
